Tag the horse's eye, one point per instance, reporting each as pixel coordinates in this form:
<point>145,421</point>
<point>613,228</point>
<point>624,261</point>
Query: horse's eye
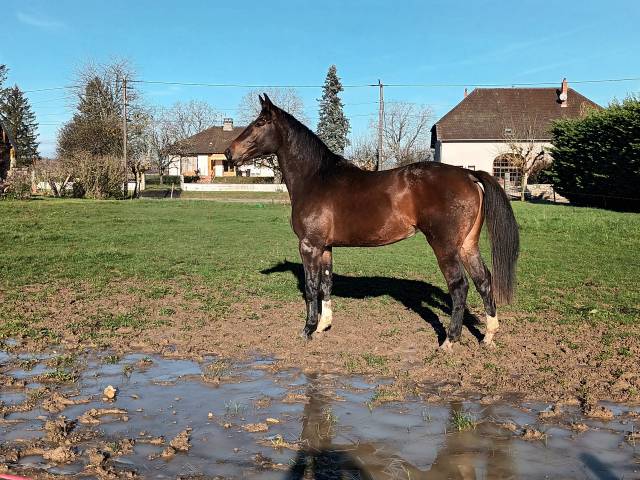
<point>260,122</point>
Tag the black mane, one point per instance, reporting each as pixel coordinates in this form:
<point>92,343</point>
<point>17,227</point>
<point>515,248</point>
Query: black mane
<point>308,147</point>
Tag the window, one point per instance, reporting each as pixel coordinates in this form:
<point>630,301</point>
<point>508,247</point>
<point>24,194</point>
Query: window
<point>227,167</point>
<point>505,168</point>
<point>189,165</point>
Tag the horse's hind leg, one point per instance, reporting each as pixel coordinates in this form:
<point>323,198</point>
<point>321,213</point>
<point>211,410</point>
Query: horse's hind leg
<point>453,272</point>
<point>481,277</point>
<point>326,282</point>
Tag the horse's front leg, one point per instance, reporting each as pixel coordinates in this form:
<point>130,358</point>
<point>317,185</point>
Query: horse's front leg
<point>326,282</point>
<point>311,259</point>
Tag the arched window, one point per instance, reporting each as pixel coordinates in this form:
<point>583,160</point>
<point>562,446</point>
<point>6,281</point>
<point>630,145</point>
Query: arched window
<point>506,169</point>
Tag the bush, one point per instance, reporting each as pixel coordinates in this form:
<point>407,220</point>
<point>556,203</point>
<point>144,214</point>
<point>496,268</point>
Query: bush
<point>18,185</point>
<point>154,179</point>
<point>254,180</point>
<point>596,158</point>
<point>191,178</point>
<point>97,177</point>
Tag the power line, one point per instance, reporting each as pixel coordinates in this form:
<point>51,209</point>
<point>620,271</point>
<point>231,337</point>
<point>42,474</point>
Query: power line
<point>362,85</point>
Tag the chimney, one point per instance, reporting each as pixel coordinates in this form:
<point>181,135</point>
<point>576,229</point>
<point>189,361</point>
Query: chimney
<point>562,93</point>
<point>465,92</point>
<point>227,124</point>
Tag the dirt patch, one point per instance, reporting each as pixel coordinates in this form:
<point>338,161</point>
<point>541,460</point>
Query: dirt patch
<point>545,359</point>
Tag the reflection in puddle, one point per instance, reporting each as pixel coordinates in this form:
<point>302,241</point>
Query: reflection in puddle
<point>255,423</point>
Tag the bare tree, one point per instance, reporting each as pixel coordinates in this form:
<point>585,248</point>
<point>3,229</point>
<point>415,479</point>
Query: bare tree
<point>288,99</point>
<point>185,119</point>
<point>406,133</point>
<point>522,150</point>
<point>363,151</point>
<point>165,129</point>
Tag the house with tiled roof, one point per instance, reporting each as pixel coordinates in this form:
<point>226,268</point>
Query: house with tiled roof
<point>477,132</point>
<point>7,149</point>
<point>203,155</point>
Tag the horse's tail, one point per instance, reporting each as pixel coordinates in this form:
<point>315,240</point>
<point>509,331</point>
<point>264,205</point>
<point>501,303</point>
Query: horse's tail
<point>504,238</point>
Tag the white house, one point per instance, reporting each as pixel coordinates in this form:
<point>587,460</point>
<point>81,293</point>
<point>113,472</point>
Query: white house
<point>479,131</point>
<point>203,153</point>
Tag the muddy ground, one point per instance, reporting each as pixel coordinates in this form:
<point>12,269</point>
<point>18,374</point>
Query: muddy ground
<point>142,416</point>
<point>574,363</point>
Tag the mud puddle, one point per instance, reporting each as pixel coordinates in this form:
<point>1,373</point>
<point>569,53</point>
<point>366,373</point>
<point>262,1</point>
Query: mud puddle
<point>173,418</point>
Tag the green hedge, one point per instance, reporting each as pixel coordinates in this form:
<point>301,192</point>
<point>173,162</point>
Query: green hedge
<point>596,158</point>
<point>154,179</point>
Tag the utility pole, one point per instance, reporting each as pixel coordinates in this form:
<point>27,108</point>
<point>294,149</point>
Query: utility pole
<point>380,125</point>
<point>124,135</point>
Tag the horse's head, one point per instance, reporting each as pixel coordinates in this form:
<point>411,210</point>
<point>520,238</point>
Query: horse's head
<point>260,138</point>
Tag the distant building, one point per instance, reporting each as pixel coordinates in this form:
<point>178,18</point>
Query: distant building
<point>204,153</point>
<point>7,149</point>
<point>476,132</point>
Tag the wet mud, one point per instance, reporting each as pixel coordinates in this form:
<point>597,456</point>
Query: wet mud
<point>176,418</point>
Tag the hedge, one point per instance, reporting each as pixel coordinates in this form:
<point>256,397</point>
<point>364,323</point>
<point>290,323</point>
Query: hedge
<point>596,158</point>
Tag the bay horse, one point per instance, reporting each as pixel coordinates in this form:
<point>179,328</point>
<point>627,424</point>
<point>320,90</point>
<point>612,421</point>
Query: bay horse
<point>336,204</point>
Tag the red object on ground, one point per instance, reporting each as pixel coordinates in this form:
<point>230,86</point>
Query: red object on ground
<point>12,477</point>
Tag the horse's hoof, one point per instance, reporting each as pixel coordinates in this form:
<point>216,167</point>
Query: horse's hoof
<point>323,328</point>
<point>488,343</point>
<point>446,346</point>
<point>305,334</point>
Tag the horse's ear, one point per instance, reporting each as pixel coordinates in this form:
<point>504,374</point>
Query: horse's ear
<point>267,101</point>
<point>261,100</point>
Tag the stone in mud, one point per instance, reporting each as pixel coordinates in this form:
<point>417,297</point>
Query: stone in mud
<point>272,421</point>
<point>110,392</point>
<point>181,441</point>
<point>533,434</point>
<point>63,454</point>
<point>256,427</point>
<point>596,411</point>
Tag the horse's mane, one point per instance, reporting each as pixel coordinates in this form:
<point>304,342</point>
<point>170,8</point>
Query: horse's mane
<point>307,146</point>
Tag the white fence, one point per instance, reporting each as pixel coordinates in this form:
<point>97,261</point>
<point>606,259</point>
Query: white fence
<point>233,187</point>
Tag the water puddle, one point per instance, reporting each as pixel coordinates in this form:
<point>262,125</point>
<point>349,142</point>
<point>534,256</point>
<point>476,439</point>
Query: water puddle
<point>186,419</point>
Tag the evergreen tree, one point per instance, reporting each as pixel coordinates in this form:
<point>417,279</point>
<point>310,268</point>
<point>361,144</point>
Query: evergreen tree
<point>333,126</point>
<point>21,121</point>
<point>3,77</point>
<point>96,127</point>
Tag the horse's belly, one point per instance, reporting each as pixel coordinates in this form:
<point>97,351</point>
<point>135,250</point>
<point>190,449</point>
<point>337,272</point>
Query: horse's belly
<point>368,234</point>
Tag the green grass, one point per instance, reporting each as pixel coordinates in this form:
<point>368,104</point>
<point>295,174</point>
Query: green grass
<point>462,421</point>
<point>576,263</point>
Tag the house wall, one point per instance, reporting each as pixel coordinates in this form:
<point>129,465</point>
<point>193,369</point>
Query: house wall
<point>476,154</point>
<point>211,165</point>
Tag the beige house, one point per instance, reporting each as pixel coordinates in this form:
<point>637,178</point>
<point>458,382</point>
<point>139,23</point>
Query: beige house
<point>203,154</point>
<point>479,133</point>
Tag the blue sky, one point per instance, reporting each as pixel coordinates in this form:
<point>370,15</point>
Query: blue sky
<point>293,42</point>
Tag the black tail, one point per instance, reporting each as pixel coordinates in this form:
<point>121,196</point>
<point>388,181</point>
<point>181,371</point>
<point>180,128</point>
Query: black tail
<point>504,237</point>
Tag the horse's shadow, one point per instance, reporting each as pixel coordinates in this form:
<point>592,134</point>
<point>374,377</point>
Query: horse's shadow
<point>416,295</point>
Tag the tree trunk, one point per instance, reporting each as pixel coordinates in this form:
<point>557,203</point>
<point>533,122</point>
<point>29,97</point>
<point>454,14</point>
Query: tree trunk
<point>525,179</point>
<point>161,178</point>
<point>54,188</point>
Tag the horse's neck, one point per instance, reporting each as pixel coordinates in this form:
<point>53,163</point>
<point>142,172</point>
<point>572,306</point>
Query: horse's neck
<point>296,177</point>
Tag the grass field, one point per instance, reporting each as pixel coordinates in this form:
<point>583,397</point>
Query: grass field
<point>93,270</point>
<point>575,262</point>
